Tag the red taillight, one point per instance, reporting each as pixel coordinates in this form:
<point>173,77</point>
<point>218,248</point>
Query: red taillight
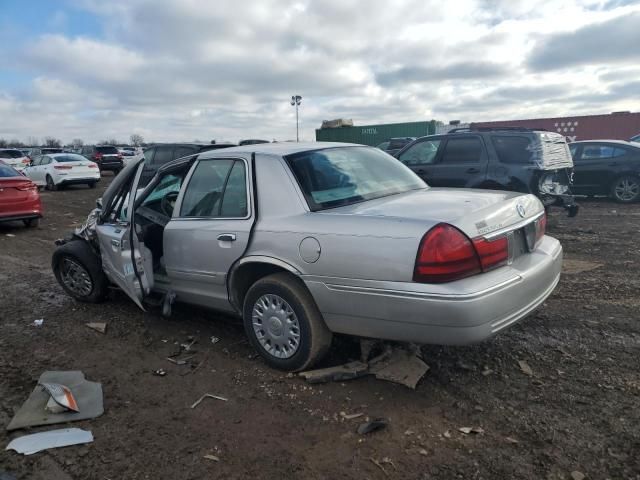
<point>493,254</point>
<point>541,227</point>
<point>447,254</point>
<point>97,155</point>
<point>92,165</point>
<point>63,167</point>
<point>27,187</point>
<point>26,161</point>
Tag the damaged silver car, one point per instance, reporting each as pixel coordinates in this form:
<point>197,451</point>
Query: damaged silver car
<point>305,240</point>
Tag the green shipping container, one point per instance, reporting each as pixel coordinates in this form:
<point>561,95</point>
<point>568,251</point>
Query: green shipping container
<point>375,134</point>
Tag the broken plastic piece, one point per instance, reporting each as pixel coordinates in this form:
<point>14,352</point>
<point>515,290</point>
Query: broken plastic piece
<point>347,371</point>
<point>98,327</point>
<point>29,444</point>
<point>62,396</point>
<point>401,367</point>
<point>372,426</point>
<point>38,322</point>
<point>209,396</point>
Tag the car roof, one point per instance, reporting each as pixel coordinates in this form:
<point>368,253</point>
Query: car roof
<point>282,148</point>
<point>617,142</point>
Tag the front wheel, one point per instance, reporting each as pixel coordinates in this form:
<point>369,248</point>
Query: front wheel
<point>284,324</point>
<point>626,189</point>
<point>79,272</point>
<point>92,184</point>
<point>32,222</point>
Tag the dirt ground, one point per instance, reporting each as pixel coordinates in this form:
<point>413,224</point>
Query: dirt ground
<point>578,413</point>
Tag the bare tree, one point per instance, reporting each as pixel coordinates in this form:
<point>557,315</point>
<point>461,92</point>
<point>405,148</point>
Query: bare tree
<point>33,141</point>
<point>15,143</point>
<point>52,142</point>
<point>108,141</point>
<point>136,140</point>
<point>77,142</point>
<point>3,143</point>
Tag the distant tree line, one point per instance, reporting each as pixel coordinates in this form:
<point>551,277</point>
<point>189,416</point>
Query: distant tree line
<point>135,140</point>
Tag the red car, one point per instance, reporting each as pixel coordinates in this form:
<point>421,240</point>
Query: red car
<point>19,197</point>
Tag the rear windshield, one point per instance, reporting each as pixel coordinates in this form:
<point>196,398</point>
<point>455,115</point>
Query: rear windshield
<point>345,175</point>
<point>7,171</point>
<point>51,150</point>
<point>71,157</point>
<point>11,154</point>
<point>513,149</point>
<point>107,150</point>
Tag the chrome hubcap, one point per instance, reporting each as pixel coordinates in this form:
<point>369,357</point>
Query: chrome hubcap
<point>276,326</point>
<point>75,277</point>
<point>627,189</point>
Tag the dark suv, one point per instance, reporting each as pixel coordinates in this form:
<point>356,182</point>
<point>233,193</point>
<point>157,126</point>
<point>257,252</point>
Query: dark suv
<point>106,156</point>
<point>157,155</point>
<point>516,159</point>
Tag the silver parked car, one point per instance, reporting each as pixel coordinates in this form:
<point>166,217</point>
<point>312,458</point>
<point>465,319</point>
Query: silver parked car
<point>306,240</point>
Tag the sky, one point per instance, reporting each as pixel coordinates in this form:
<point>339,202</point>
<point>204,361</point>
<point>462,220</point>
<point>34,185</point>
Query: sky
<point>181,70</point>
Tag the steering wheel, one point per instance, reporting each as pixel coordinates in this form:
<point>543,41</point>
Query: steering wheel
<point>168,202</point>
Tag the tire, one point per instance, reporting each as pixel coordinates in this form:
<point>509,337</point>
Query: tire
<point>81,255</point>
<point>50,185</point>
<point>32,222</point>
<point>92,184</point>
<point>626,189</point>
<point>314,338</point>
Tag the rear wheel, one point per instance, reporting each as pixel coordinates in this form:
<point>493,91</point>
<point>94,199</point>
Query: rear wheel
<point>626,189</point>
<point>50,184</point>
<point>79,272</point>
<point>284,324</point>
<point>92,184</point>
<point>32,222</point>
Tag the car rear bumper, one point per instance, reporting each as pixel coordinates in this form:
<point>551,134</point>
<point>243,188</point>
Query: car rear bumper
<point>461,312</point>
<point>78,180</point>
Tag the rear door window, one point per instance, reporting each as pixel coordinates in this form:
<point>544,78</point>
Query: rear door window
<point>596,152</point>
<point>462,150</point>
<point>512,149</point>
<point>203,196</point>
<point>162,156</point>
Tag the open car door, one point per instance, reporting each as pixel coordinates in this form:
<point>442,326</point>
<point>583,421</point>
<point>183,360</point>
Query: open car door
<point>125,260</point>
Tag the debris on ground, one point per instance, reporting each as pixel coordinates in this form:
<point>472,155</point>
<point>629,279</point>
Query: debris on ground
<point>208,395</point>
<point>182,361</point>
<point>9,235</point>
<point>487,371</point>
<point>348,371</point>
<point>423,452</point>
<point>214,340</point>
<point>401,367</point>
<point>468,430</point>
<point>511,440</point>
<point>351,416</point>
<point>398,365</point>
<point>98,327</point>
<point>61,396</point>
<point>447,434</point>
<point>372,426</point>
<point>38,322</point>
<point>384,461</point>
<point>212,457</point>
<point>525,368</point>
<point>577,475</point>
<point>29,444</point>
<point>87,395</point>
<point>160,372</point>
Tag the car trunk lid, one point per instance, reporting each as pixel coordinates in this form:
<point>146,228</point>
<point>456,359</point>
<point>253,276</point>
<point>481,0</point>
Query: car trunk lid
<point>15,189</point>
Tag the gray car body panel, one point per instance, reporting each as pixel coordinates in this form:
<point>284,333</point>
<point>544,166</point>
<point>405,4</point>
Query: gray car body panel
<point>362,255</point>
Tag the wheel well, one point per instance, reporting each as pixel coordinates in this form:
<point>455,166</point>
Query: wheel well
<point>246,275</point>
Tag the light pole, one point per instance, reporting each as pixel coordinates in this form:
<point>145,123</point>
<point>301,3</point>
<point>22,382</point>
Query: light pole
<point>295,100</point>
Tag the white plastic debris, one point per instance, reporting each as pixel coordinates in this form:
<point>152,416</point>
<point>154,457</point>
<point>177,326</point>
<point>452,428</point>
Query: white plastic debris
<point>37,442</point>
<point>38,322</point>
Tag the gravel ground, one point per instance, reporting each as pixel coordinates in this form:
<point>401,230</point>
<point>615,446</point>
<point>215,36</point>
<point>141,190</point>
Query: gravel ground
<point>576,413</point>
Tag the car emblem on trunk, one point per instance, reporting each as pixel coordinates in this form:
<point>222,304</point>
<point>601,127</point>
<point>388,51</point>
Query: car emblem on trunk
<point>521,211</point>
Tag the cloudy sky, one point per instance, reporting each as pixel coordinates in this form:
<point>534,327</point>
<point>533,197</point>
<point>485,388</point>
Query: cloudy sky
<point>197,69</point>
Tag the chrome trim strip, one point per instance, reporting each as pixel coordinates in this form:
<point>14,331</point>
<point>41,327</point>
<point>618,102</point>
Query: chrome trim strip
<point>422,295</point>
<point>515,226</point>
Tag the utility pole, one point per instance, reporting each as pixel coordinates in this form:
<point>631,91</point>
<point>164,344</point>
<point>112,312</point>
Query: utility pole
<point>295,100</point>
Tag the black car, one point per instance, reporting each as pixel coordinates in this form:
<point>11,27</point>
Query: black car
<point>106,156</point>
<point>516,159</point>
<point>607,167</point>
<point>157,155</point>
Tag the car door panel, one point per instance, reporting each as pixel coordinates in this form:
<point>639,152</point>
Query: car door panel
<point>125,260</point>
<point>201,277</point>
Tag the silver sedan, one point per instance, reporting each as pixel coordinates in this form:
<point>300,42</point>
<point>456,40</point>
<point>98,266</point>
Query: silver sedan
<point>306,240</point>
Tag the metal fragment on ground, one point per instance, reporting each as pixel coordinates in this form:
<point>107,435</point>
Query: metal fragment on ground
<point>208,395</point>
<point>33,412</point>
<point>98,327</point>
<point>351,416</point>
<point>348,371</point>
<point>372,426</point>
<point>62,395</point>
<point>29,444</point>
<point>525,368</point>
<point>401,367</point>
<point>212,457</point>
